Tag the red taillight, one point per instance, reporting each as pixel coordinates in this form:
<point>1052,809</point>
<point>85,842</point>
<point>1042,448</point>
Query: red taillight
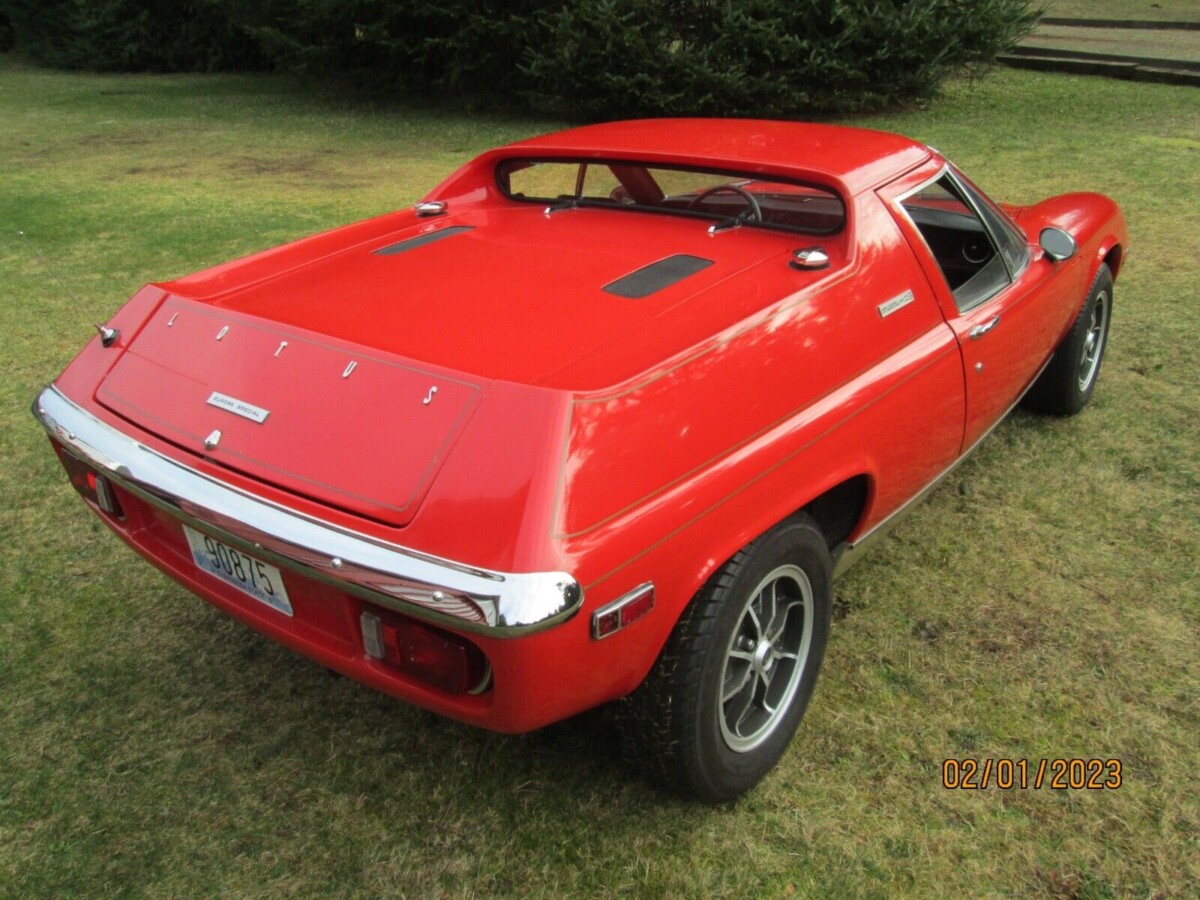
<point>90,484</point>
<point>437,657</point>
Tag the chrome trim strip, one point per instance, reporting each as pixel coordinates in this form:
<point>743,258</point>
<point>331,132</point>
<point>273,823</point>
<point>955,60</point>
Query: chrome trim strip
<point>846,555</point>
<point>438,590</point>
<point>974,196</point>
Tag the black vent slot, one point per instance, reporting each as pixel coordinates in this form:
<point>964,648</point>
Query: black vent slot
<point>656,276</point>
<point>422,240</point>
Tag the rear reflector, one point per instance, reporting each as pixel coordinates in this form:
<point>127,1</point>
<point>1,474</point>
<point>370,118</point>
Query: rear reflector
<point>372,633</point>
<point>90,484</point>
<point>623,611</point>
<point>605,624</point>
<point>436,657</point>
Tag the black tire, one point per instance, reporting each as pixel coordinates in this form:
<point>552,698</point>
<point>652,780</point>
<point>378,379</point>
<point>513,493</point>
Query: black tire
<point>1068,382</point>
<point>683,724</point>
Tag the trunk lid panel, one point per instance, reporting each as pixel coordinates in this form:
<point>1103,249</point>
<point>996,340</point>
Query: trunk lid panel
<point>343,424</point>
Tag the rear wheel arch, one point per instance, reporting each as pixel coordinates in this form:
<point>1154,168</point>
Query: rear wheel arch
<point>1112,256</point>
<point>839,509</point>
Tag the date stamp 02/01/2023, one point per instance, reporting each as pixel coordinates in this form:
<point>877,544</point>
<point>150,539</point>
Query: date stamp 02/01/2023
<point>1063,774</point>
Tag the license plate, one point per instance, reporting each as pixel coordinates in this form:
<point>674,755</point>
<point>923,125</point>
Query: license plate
<point>249,575</point>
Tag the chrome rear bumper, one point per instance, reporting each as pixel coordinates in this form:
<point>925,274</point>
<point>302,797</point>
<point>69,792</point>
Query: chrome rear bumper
<point>417,584</point>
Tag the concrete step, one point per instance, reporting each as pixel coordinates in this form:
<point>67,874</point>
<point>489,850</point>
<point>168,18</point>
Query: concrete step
<point>1129,69</point>
<point>1056,53</point>
<point>1139,24</point>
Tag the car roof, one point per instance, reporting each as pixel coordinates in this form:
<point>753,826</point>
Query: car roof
<point>854,159</point>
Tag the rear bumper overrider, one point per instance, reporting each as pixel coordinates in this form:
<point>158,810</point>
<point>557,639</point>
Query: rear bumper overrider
<point>452,594</point>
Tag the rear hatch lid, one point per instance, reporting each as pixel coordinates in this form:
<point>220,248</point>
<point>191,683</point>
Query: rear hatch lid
<point>349,426</point>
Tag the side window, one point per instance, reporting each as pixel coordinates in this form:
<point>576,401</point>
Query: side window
<point>560,180</point>
<point>598,181</point>
<point>959,241</point>
<point>541,180</point>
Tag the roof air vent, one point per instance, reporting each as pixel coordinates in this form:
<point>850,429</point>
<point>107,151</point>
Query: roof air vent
<point>658,275</point>
<point>421,240</point>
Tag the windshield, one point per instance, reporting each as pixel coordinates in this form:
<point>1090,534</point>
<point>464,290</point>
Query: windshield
<point>727,198</point>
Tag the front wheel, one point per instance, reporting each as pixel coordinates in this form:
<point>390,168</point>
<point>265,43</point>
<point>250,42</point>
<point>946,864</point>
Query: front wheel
<point>1069,381</point>
<point>726,695</point>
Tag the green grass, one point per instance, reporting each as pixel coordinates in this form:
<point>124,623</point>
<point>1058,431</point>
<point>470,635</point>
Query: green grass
<point>1043,603</point>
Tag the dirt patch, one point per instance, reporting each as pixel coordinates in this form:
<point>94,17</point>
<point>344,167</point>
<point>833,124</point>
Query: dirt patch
<point>171,169</point>
<point>115,139</point>
<point>306,167</point>
<point>311,171</point>
<point>1019,632</point>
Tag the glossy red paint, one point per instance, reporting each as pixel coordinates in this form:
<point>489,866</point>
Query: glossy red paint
<point>622,441</point>
<point>853,159</point>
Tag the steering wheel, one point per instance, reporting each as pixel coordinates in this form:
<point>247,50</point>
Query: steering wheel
<point>754,210</point>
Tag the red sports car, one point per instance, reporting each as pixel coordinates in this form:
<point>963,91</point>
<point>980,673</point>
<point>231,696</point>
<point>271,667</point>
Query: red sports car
<point>600,419</point>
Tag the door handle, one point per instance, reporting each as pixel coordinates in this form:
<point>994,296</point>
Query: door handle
<point>980,330</point>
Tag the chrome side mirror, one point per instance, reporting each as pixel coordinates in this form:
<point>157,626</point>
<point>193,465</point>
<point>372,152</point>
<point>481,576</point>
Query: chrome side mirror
<point>1057,243</point>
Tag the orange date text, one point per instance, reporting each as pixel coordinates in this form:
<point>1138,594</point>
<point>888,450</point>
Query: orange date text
<point>1074,774</point>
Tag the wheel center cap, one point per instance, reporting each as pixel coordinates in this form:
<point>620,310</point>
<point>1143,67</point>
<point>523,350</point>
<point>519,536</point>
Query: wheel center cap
<point>764,656</point>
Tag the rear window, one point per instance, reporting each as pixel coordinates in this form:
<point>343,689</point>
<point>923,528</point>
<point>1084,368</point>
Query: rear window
<point>726,198</point>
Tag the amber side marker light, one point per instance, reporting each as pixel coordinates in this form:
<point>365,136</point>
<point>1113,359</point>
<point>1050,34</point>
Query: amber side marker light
<point>429,654</point>
<point>623,611</point>
<point>92,486</point>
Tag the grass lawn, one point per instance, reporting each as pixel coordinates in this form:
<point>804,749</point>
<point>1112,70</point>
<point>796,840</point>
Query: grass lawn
<point>1044,603</point>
